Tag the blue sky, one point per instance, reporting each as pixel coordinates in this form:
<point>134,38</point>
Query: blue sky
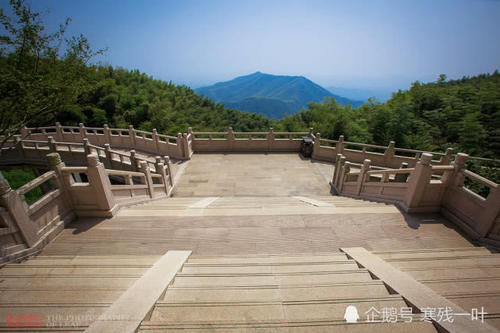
<point>358,44</point>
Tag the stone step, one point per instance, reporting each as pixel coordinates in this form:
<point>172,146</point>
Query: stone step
<point>268,311</point>
<point>489,260</point>
<point>34,297</point>
<point>289,210</point>
<point>270,269</point>
<point>96,272</point>
<point>90,261</point>
<point>57,283</point>
<point>490,302</point>
<point>223,260</point>
<point>456,273</point>
<point>197,280</point>
<point>435,254</point>
<point>306,292</point>
<point>491,285</point>
<point>293,327</point>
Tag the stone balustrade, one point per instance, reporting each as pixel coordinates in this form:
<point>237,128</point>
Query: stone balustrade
<point>247,141</point>
<point>90,190</point>
<point>427,188</point>
<point>32,152</point>
<point>185,144</point>
<point>96,180</point>
<point>150,142</point>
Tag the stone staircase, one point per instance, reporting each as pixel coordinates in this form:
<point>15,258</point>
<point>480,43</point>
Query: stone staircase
<point>274,293</point>
<point>256,206</point>
<point>64,293</point>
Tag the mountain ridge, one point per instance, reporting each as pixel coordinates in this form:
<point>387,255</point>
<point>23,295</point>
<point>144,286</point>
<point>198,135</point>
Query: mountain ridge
<point>271,95</point>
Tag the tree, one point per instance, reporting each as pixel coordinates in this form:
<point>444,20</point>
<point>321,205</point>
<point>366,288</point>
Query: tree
<point>40,72</point>
<point>472,134</point>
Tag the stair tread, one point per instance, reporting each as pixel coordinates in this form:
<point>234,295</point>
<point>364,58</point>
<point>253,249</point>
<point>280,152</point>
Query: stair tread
<point>277,293</point>
<point>315,310</point>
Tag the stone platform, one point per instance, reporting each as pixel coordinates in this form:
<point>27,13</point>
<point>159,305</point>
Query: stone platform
<point>265,235</point>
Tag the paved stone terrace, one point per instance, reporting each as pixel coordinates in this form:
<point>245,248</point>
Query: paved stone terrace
<point>254,204</point>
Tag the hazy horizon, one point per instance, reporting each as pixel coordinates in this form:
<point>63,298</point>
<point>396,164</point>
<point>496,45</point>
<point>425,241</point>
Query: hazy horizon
<point>383,45</point>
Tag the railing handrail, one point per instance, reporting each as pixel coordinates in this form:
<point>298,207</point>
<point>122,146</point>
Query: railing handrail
<point>390,171</point>
<point>36,182</point>
<point>480,179</point>
<point>124,173</point>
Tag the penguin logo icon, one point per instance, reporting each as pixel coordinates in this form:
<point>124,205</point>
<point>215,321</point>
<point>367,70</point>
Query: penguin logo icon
<point>351,314</point>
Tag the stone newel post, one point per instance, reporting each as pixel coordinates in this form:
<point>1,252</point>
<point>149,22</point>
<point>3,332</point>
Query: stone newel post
<point>99,181</point>
<point>389,154</point>
<point>336,169</point>
<point>362,175</point>
<point>339,147</point>
<point>83,131</point>
<point>419,178</point>
<point>316,145</point>
<point>131,135</point>
<point>147,176</point>
<point>59,132</point>
<point>16,207</point>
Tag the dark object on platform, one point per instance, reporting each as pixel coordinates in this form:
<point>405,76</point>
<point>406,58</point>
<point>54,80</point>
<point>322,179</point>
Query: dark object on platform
<point>306,148</point>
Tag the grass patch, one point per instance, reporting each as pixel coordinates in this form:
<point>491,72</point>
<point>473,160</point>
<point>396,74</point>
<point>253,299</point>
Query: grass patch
<point>19,177</point>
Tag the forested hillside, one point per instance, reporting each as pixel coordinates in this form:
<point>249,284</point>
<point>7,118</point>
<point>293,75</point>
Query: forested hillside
<point>273,96</point>
<point>464,114</point>
<point>46,78</point>
<point>120,97</point>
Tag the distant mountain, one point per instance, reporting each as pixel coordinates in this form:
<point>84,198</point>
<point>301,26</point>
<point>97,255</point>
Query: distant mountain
<point>271,95</point>
<point>361,94</point>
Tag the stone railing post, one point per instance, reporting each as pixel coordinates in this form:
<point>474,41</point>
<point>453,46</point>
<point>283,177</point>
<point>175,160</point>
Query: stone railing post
<point>107,133</point>
<point>487,216</point>
<point>230,138</point>
<point>54,162</point>
<point>270,139</point>
<point>52,144</point>
<point>86,147</point>
<point>459,167</point>
<point>20,146</point>
<point>101,186</point>
<point>339,147</point>
<point>389,154</point>
<point>83,131</point>
<point>147,175</point>
<point>133,160</point>
<point>59,132</point>
<point>131,135</point>
<point>336,169</point>
<point>166,160</point>
<point>160,169</point>
<point>25,132</point>
<point>343,175</point>
<point>158,160</point>
<point>342,161</point>
<point>362,175</point>
<point>401,177</point>
<point>180,149</point>
<point>316,145</point>
<point>16,206</point>
<point>186,153</point>
<point>109,156</point>
<point>419,179</point>
<point>154,137</point>
<point>446,159</point>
